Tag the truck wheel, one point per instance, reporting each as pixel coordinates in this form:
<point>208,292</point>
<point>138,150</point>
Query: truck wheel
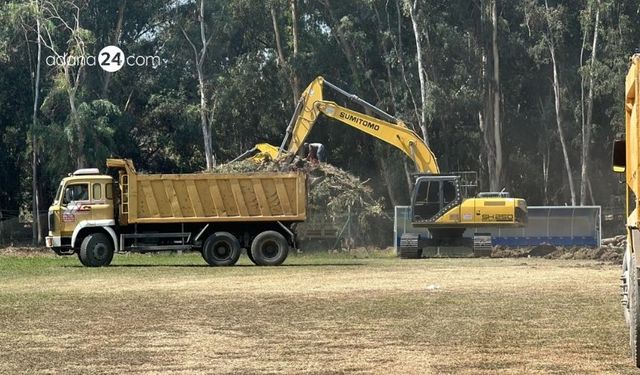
<point>634,310</point>
<point>96,250</point>
<point>269,248</point>
<point>221,249</point>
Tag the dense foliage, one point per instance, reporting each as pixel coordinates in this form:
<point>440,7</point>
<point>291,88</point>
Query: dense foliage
<point>484,98</point>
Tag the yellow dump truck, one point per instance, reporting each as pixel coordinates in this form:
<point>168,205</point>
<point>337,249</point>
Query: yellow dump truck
<point>626,159</point>
<point>95,215</point>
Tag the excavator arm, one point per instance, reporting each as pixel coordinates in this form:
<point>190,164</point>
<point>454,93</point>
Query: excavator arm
<point>390,130</point>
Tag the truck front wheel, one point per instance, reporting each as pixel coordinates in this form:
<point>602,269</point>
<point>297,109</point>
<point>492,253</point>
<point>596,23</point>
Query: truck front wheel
<point>96,250</point>
<point>221,249</point>
<point>269,248</point>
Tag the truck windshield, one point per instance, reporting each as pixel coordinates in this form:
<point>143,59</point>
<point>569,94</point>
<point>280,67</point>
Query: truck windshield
<point>56,198</point>
<point>76,192</point>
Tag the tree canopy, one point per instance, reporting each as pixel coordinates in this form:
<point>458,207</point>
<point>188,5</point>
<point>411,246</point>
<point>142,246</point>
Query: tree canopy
<point>528,93</point>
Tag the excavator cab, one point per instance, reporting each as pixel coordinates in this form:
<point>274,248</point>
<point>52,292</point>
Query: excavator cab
<point>433,196</point>
<point>440,201</point>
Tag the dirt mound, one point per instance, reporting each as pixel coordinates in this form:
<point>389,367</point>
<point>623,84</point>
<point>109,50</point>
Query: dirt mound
<point>25,251</point>
<point>541,250</point>
<point>605,253</point>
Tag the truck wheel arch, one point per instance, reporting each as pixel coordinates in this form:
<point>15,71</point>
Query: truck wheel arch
<point>88,226</point>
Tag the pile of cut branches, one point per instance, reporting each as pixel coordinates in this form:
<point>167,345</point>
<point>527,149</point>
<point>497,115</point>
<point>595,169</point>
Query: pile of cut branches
<point>335,195</point>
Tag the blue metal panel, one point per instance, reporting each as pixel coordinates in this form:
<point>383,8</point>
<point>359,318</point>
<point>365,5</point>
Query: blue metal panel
<point>558,226</point>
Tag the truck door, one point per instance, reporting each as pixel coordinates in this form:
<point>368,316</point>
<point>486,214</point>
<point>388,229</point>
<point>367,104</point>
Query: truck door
<point>101,205</point>
<point>75,201</point>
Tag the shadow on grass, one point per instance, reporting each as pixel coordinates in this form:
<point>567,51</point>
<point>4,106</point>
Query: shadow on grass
<point>321,264</point>
<point>207,266</point>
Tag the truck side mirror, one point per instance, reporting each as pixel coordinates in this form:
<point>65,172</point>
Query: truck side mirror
<point>619,155</point>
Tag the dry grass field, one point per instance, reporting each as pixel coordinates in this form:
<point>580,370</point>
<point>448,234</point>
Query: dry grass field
<point>313,315</point>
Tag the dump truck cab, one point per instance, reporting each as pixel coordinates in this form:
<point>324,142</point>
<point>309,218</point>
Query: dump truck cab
<point>84,202</point>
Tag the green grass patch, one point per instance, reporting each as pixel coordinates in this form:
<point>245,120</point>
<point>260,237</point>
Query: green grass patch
<point>318,313</point>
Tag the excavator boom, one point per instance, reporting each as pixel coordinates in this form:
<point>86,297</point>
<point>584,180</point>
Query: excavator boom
<point>391,130</point>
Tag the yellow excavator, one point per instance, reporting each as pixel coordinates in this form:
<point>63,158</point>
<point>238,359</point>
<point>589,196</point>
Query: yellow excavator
<point>439,201</point>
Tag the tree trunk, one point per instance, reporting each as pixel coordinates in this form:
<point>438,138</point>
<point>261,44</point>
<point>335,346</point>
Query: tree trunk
<point>282,60</point>
<point>388,180</point>
<point>347,49</point>
<point>37,231</point>
<point>76,145</point>
<point>399,54</point>
<point>296,40</point>
<point>413,9</point>
<point>545,152</point>
<point>563,142</point>
<point>387,57</point>
<point>115,41</point>
<point>407,176</point>
<point>557,93</point>
<point>487,121</point>
<point>204,123</point>
<point>496,179</point>
<point>392,93</point>
<point>72,81</point>
<point>484,125</point>
<point>586,125</point>
<point>593,201</point>
<point>545,176</point>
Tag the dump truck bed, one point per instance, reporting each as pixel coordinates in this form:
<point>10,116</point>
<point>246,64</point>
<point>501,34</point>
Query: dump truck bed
<point>209,197</point>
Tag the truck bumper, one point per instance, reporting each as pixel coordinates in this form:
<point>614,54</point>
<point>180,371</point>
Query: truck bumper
<point>53,241</point>
<point>60,245</point>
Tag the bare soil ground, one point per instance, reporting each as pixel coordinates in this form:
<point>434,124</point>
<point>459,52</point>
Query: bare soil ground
<point>604,253</point>
<point>314,315</point>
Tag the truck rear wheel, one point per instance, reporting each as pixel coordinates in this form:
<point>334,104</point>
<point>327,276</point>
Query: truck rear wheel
<point>96,250</point>
<point>221,249</point>
<point>269,248</point>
